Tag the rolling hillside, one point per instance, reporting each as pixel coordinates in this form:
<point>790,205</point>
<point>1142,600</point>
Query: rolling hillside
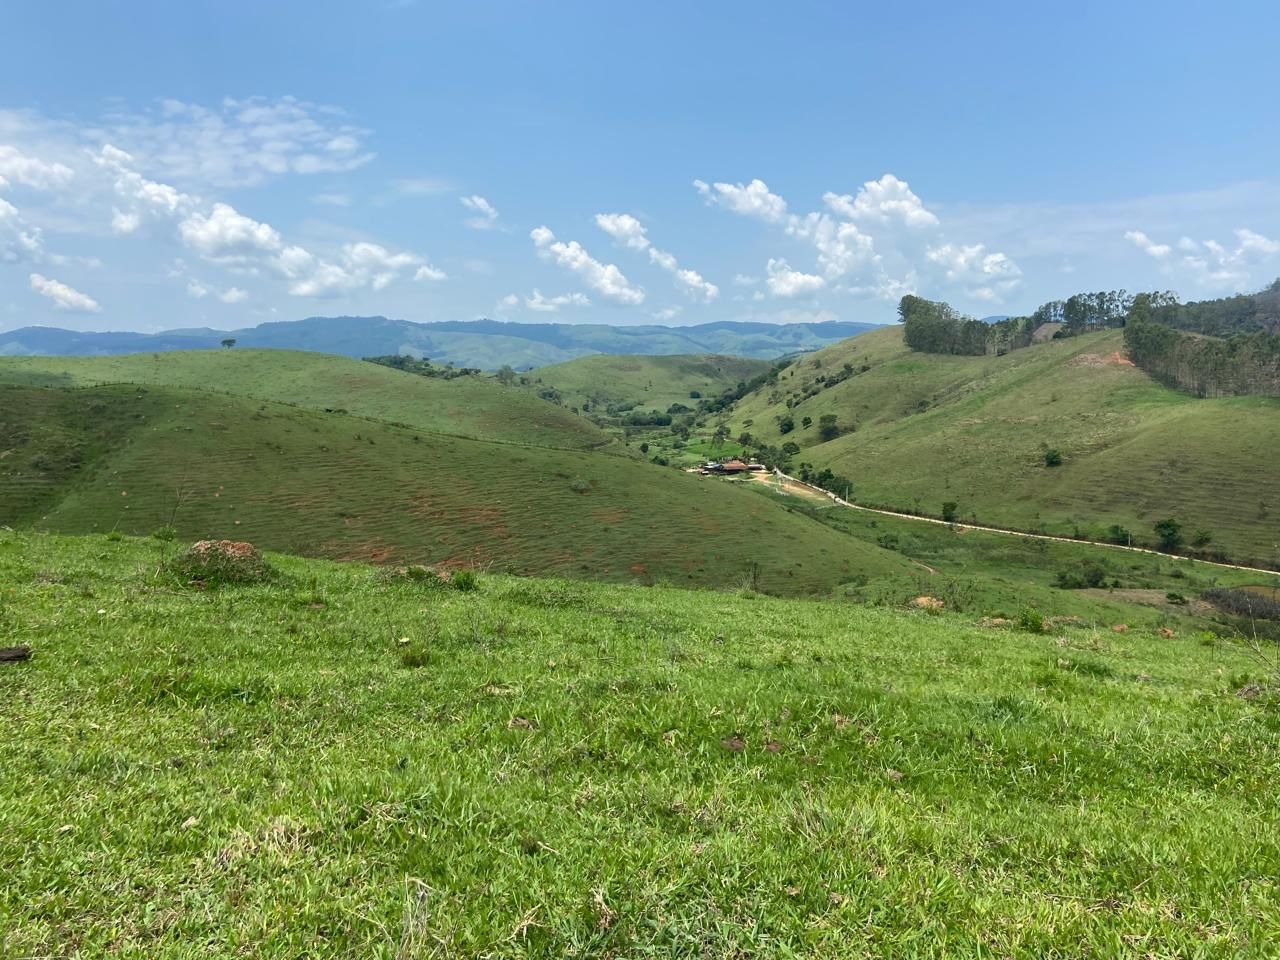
<point>475,407</point>
<point>652,383</point>
<point>487,344</point>
<point>135,459</point>
<point>974,430</point>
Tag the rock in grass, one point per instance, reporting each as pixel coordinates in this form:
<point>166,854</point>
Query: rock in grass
<point>14,654</point>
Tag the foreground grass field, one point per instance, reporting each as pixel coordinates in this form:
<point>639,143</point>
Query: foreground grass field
<point>476,407</point>
<point>975,430</point>
<point>331,766</point>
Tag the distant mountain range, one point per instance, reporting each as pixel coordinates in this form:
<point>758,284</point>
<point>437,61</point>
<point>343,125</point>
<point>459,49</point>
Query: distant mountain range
<point>487,344</point>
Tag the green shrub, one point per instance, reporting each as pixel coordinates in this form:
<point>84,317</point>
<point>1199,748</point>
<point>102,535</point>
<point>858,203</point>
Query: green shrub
<point>165,533</point>
<point>1119,534</point>
<point>1091,575</point>
<point>1170,533</point>
<point>950,511</point>
<point>1031,620</point>
<point>464,580</point>
<point>1052,458</point>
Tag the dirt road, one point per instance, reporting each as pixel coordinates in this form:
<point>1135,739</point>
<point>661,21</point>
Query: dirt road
<point>790,483</point>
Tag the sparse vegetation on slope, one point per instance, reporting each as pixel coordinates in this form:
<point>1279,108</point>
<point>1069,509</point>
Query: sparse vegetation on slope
<point>333,766</point>
<point>593,384</point>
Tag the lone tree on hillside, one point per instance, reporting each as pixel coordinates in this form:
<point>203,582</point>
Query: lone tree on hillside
<point>229,342</point>
<point>950,511</point>
<point>1169,531</point>
<point>828,428</point>
<point>1052,458</point>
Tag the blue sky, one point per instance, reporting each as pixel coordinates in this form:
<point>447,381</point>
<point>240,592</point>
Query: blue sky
<point>188,164</point>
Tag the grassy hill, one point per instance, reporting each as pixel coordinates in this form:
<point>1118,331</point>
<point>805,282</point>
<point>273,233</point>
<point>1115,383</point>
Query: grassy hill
<point>464,406</point>
<point>974,430</point>
<point>652,383</point>
<point>134,459</point>
<point>330,766</point>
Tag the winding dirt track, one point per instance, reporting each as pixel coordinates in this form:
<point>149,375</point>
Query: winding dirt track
<point>1010,533</point>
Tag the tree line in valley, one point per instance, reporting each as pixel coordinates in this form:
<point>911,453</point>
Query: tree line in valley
<point>1219,347</point>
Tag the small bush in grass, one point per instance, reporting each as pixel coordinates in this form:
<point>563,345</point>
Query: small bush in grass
<point>414,573</point>
<point>165,533</point>
<point>115,536</point>
<point>413,657</point>
<point>1090,575</point>
<point>1053,458</point>
<point>1031,620</point>
<point>217,562</point>
<point>428,577</point>
<point>1175,598</point>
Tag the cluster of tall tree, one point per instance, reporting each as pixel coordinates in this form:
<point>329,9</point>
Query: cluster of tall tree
<point>932,326</point>
<point>1210,348</point>
<point>1247,363</point>
<point>1244,313</point>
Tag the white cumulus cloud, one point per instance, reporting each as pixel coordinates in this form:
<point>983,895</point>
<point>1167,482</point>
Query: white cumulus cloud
<point>984,276</point>
<point>63,296</point>
<point>841,246</point>
<point>226,235</point>
<point>605,278</point>
<point>486,216</point>
<point>883,201</point>
<point>786,282</point>
<point>1211,264</point>
<point>877,242</point>
<point>632,234</point>
<point>544,304</point>
<point>124,223</point>
<point>1149,246</point>
<point>751,199</point>
<point>21,168</point>
<point>19,241</point>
